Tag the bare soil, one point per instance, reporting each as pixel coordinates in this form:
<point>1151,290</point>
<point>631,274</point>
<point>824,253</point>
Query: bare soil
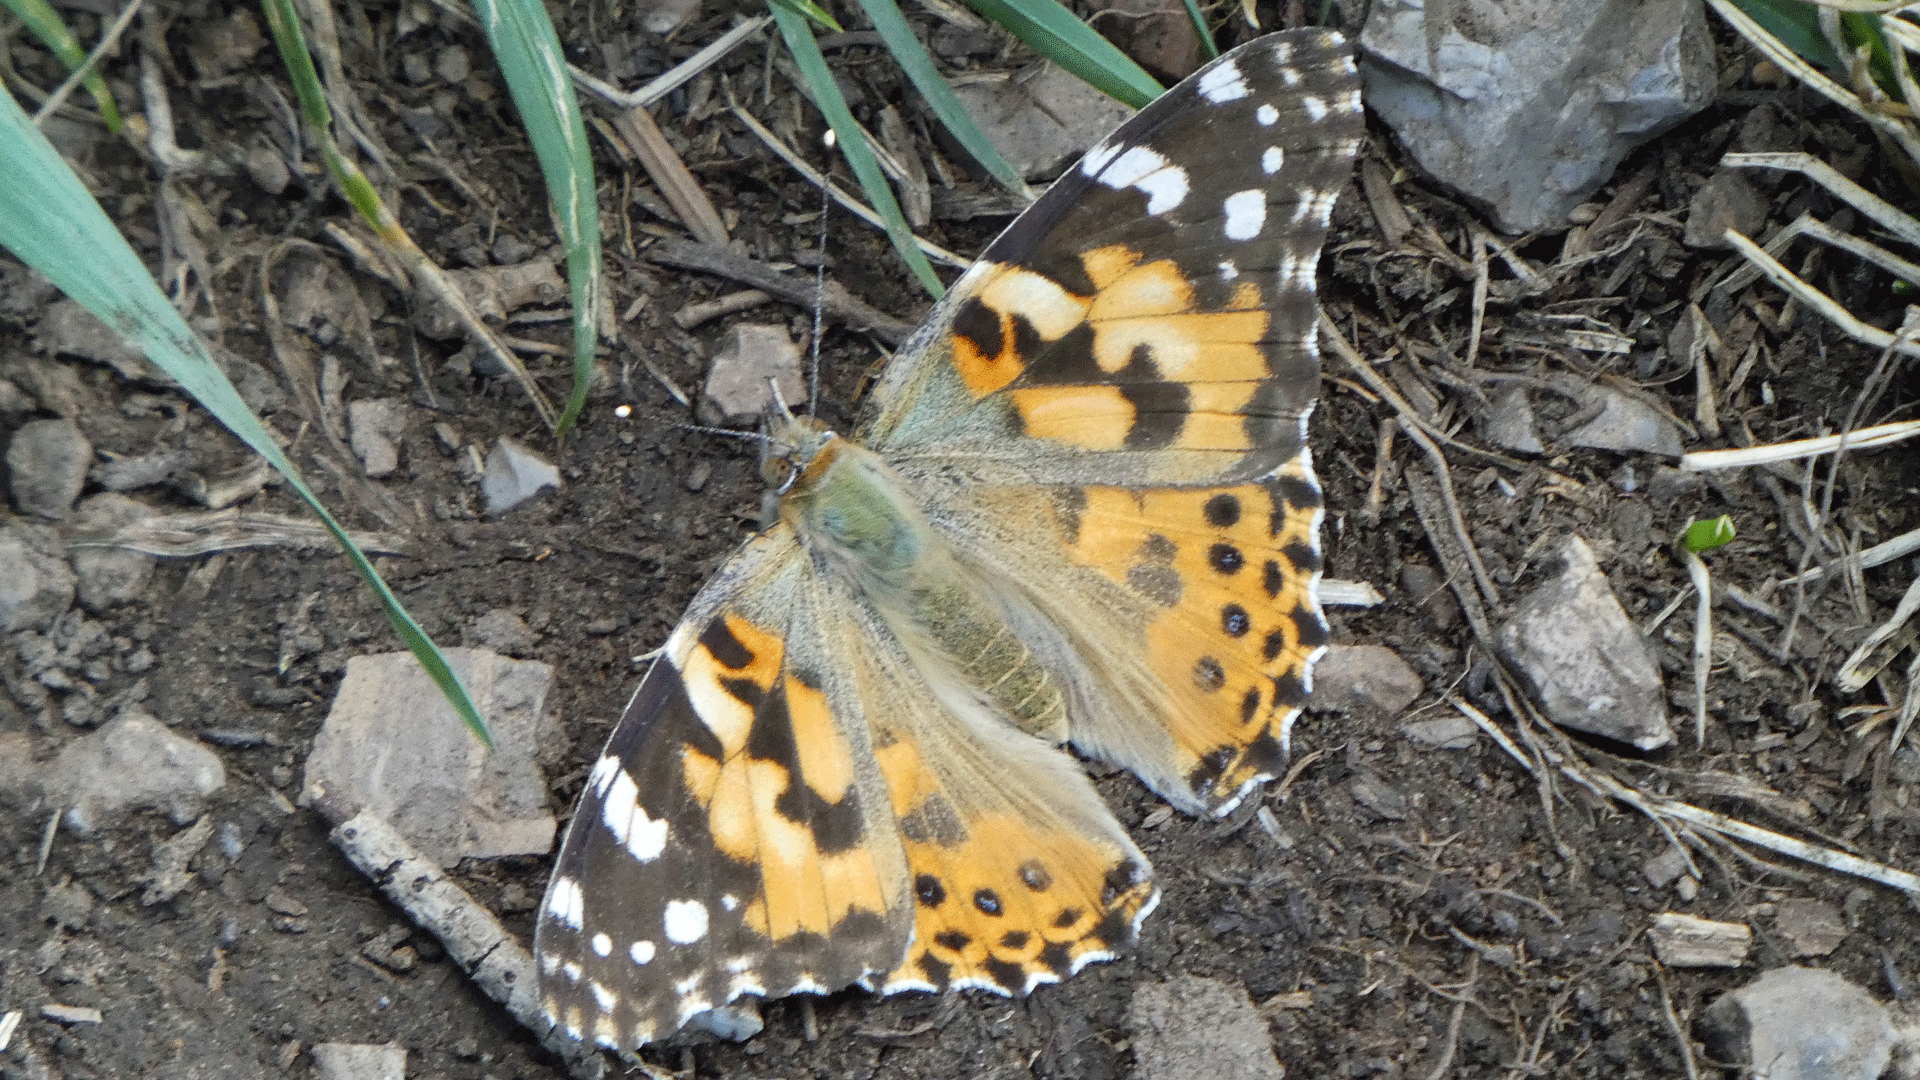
<point>1497,924</point>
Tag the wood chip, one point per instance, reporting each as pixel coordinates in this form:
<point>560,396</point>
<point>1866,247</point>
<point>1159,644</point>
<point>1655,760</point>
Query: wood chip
<point>1689,941</point>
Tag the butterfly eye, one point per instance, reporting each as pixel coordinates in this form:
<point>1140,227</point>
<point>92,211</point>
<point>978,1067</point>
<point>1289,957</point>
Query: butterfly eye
<point>793,477</point>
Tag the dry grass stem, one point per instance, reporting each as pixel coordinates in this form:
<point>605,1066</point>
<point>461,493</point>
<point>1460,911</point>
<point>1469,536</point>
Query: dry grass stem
<point>1863,439</point>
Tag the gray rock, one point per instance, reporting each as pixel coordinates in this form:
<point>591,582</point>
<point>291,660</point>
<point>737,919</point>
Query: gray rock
<point>359,1061</point>
<point>392,745</point>
<point>374,429</point>
<point>1192,1028</point>
<point>503,632</point>
<point>1041,124</point>
<point>1728,201</point>
<point>1614,420</point>
<point>37,586</point>
<point>1587,665</point>
<point>1367,681</point>
<point>1809,927</point>
<point>1426,588</point>
<point>514,474</point>
<point>146,470</point>
<point>1796,1023</point>
<point>47,466</point>
<point>133,763</point>
<point>107,576</point>
<point>67,328</point>
<point>1444,733</point>
<point>1527,106</point>
<point>737,391</point>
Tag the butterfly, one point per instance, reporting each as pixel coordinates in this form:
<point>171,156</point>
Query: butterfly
<point>1078,508</point>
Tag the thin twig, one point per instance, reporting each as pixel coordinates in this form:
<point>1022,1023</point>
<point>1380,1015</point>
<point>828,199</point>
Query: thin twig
<point>108,42</point>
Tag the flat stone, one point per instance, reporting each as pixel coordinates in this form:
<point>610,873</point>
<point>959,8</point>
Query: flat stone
<point>503,632</point>
<point>1041,124</point>
<point>359,1061</point>
<point>1367,681</point>
<point>47,466</point>
<point>133,763</point>
<point>393,745</point>
<point>1810,927</point>
<point>738,391</point>
<point>1526,107</point>
<point>1588,666</point>
<point>513,475</point>
<point>1729,200</point>
<point>37,587</point>
<point>1442,733</point>
<point>374,429</point>
<point>1193,1028</point>
<point>108,576</point>
<point>1796,1023</point>
<point>66,328</point>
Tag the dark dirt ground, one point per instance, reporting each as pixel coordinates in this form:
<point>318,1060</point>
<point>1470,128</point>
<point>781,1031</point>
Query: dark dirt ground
<point>1368,940</point>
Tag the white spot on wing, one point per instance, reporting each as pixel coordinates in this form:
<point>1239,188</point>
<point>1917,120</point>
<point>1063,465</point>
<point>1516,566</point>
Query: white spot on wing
<point>565,902</point>
<point>644,837</point>
<point>1246,212</point>
<point>1097,159</point>
<point>641,953</point>
<point>603,773</point>
<point>685,921</point>
<point>730,902</point>
<point>1271,160</point>
<point>1165,183</point>
<point>1222,83</point>
<point>572,970</point>
<point>1228,271</point>
<point>602,997</point>
<point>1267,115</point>
<point>1316,108</point>
<point>602,944</point>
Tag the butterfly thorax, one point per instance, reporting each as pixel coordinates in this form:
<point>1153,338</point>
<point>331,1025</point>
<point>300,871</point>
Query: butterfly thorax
<point>862,520</point>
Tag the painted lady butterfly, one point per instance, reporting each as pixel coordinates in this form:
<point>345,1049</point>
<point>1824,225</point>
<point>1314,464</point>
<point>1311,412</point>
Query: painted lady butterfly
<point>1079,508</point>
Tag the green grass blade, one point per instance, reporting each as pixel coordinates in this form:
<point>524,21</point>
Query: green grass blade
<point>810,9</point>
<point>45,24</point>
<point>528,51</point>
<point>934,90</point>
<point>50,222</point>
<point>826,94</point>
<point>1061,37</point>
<point>1797,25</point>
<point>1200,27</point>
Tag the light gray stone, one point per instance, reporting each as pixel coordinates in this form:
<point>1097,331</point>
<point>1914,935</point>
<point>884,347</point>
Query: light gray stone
<point>133,763</point>
<point>106,576</point>
<point>737,392</point>
<point>1041,124</point>
<point>1587,665</point>
<point>502,631</point>
<point>1527,106</point>
<point>392,745</point>
<point>1368,681</point>
<point>374,429</point>
<point>514,475</point>
<point>1796,1023</point>
<point>1442,733</point>
<point>1193,1028</point>
<point>37,585</point>
<point>359,1061</point>
<point>47,466</point>
<point>68,329</point>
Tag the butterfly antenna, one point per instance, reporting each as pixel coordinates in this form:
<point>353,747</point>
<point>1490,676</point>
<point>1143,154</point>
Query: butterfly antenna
<point>819,292</point>
<point>752,436</point>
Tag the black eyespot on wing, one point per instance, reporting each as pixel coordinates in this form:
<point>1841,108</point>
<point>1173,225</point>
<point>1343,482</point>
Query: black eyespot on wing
<point>988,902</point>
<point>929,890</point>
<point>1235,620</point>
<point>1225,559</point>
<point>1223,510</point>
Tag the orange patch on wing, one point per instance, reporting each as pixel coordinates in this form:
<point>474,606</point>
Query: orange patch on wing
<point>1220,641</point>
<point>706,672</point>
<point>826,761</point>
<point>1013,295</point>
<point>1216,417</point>
<point>1090,417</point>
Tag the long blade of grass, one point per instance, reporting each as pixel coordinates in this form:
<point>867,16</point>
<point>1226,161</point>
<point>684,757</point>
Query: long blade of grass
<point>528,51</point>
<point>935,91</point>
<point>46,25</point>
<point>1060,36</point>
<point>853,144</point>
<point>50,222</point>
